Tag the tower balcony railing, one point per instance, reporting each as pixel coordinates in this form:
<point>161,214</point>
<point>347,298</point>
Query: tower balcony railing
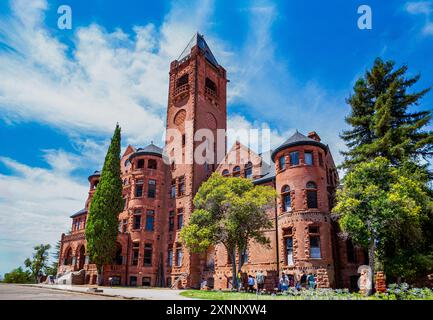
<point>210,92</point>
<point>181,90</point>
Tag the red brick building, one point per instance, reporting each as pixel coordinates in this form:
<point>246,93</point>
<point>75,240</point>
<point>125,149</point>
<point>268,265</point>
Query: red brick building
<point>158,191</point>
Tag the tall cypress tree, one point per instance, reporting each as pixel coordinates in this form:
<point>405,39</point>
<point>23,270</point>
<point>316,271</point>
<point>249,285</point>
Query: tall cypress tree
<point>381,123</point>
<point>102,221</point>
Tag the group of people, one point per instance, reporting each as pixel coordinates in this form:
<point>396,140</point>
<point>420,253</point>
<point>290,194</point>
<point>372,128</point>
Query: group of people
<point>289,281</point>
<point>256,284</point>
<point>259,279</point>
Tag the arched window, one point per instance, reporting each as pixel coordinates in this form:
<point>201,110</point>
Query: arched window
<point>282,162</point>
<point>81,257</point>
<point>249,170</point>
<point>182,80</point>
<point>226,173</point>
<point>285,193</point>
<point>68,257</point>
<point>311,195</point>
<point>151,164</point>
<point>210,87</point>
<point>236,171</point>
<point>311,185</point>
<point>118,260</point>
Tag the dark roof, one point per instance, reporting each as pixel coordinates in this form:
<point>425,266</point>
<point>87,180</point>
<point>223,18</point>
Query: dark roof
<point>151,150</point>
<point>266,178</point>
<point>267,169</point>
<point>198,40</point>
<point>79,213</point>
<point>95,174</point>
<point>297,139</point>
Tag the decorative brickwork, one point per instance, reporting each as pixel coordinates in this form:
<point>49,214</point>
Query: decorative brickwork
<point>380,283</point>
<point>322,279</point>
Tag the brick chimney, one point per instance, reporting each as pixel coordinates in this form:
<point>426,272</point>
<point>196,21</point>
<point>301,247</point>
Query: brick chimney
<point>313,135</point>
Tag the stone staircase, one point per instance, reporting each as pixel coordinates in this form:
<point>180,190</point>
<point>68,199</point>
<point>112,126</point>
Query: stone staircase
<point>179,281</point>
<point>72,278</point>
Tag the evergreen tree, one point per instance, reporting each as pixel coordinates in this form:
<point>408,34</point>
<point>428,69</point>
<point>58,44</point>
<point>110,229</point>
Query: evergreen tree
<point>381,123</point>
<point>52,270</point>
<point>102,221</point>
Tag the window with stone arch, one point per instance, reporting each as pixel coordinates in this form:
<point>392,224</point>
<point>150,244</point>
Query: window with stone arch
<point>68,257</point>
<point>285,195</point>
<point>179,118</point>
<point>237,171</point>
<point>210,87</point>
<point>183,80</point>
<point>311,195</point>
<point>226,173</point>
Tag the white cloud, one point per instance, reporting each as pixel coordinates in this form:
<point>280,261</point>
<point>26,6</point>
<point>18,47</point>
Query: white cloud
<point>35,205</point>
<point>108,77</point>
<point>424,8</point>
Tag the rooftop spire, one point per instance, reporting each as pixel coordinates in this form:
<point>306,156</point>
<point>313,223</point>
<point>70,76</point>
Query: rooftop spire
<point>198,40</point>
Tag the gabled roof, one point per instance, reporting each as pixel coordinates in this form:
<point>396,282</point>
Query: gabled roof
<point>297,139</point>
<point>79,213</point>
<point>198,40</point>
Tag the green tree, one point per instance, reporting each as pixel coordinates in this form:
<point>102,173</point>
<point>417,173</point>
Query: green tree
<point>380,120</point>
<point>18,275</point>
<point>229,211</point>
<point>52,270</point>
<point>102,221</point>
<point>380,204</point>
<point>39,263</point>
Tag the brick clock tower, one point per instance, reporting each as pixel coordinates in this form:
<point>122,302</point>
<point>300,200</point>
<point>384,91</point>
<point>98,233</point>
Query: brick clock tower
<point>196,101</point>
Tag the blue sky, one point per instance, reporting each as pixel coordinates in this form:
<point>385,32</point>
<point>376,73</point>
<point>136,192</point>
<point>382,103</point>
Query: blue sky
<point>291,66</point>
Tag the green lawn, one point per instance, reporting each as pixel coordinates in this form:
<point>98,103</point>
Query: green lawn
<point>226,295</point>
<point>320,294</point>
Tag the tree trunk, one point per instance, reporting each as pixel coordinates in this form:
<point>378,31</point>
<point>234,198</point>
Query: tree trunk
<point>371,253</point>
<point>234,273</point>
<point>240,264</point>
<point>99,277</point>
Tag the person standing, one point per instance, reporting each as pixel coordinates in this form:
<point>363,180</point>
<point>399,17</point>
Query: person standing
<point>239,281</point>
<point>303,280</point>
<point>250,283</point>
<point>311,281</point>
<point>284,282</point>
<point>260,279</point>
<point>291,281</point>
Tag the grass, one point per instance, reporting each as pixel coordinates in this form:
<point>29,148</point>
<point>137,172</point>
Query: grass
<point>227,295</point>
<point>319,294</point>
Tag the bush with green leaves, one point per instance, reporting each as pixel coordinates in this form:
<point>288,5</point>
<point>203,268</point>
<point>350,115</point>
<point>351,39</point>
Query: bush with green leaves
<point>404,292</point>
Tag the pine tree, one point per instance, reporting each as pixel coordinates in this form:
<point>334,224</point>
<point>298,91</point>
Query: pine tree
<point>383,126</point>
<point>102,220</point>
<point>381,122</point>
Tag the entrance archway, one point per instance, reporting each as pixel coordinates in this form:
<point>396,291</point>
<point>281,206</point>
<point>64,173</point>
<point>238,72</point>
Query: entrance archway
<point>81,257</point>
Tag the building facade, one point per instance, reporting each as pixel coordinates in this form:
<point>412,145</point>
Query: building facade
<point>158,190</point>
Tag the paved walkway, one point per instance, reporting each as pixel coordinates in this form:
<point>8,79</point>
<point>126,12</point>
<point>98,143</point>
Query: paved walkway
<point>129,293</point>
<point>21,292</point>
